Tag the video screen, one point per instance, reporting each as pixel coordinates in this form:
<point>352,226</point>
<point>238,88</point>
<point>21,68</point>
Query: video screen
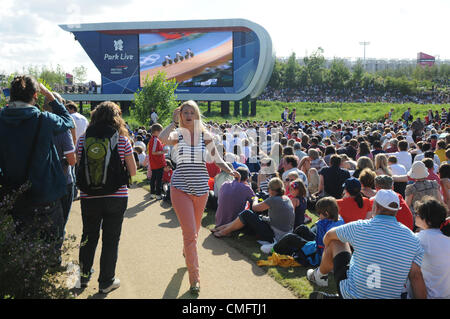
<point>194,59</point>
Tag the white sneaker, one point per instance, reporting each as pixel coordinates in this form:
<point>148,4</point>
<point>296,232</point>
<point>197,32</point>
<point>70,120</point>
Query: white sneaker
<point>267,249</point>
<point>114,285</point>
<point>158,197</point>
<point>153,196</point>
<point>313,276</point>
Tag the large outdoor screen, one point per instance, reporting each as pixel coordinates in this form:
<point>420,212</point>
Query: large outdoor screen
<point>193,59</point>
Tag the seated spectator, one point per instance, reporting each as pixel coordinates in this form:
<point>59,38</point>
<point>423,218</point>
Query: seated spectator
<point>313,181</point>
<point>425,148</point>
<point>271,228</point>
<point>377,148</point>
<point>291,243</point>
<point>316,161</point>
<point>363,163</point>
<point>385,255</point>
<point>329,150</point>
<point>364,150</point>
<point>440,151</point>
<point>432,176</point>
<point>403,156</point>
<point>391,146</point>
<point>367,180</point>
<point>290,165</point>
<point>292,176</point>
<point>381,165</point>
<point>266,173</point>
<point>298,151</point>
<point>434,225</point>
<point>332,178</point>
<point>140,156</point>
<point>444,175</point>
<point>353,205</point>
<point>298,199</point>
<point>421,187</point>
<point>221,178</point>
<point>404,214</point>
<point>233,196</point>
<point>399,170</point>
<point>140,142</point>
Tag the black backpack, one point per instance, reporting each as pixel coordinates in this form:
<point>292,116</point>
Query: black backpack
<point>101,171</point>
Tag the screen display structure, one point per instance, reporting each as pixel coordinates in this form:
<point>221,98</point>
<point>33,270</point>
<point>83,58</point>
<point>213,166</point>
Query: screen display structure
<point>193,59</point>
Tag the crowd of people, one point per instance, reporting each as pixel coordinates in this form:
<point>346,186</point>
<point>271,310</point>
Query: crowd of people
<point>326,94</point>
<point>381,190</point>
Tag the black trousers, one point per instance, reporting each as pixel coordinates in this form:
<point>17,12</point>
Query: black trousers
<point>107,214</point>
<point>156,181</point>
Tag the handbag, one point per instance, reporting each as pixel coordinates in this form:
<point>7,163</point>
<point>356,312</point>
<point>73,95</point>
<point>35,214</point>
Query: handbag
<point>12,194</point>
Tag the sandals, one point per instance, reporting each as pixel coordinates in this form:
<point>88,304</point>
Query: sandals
<point>195,289</point>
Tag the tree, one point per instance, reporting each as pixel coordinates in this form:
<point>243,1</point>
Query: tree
<point>314,65</point>
<point>157,93</point>
<point>358,73</point>
<point>338,74</point>
<point>276,79</point>
<point>79,74</point>
<point>291,72</point>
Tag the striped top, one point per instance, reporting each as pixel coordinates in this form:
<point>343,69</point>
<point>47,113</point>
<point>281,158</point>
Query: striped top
<point>383,253</point>
<point>190,175</point>
<point>265,183</point>
<point>125,149</point>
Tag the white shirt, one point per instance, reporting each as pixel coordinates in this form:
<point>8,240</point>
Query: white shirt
<point>81,122</point>
<point>403,158</point>
<point>154,117</point>
<point>141,144</point>
<point>398,169</point>
<point>420,157</point>
<point>301,175</point>
<point>436,262</point>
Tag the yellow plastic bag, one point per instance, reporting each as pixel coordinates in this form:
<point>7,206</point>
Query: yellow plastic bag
<point>279,260</point>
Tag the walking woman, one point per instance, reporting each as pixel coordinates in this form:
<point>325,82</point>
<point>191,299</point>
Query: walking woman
<point>189,187</point>
<point>104,211</point>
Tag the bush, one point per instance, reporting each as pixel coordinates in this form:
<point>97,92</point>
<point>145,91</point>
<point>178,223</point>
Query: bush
<point>26,262</point>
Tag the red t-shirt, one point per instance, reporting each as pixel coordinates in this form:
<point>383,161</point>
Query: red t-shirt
<point>213,169</point>
<point>167,175</point>
<point>404,214</point>
<point>156,161</point>
<point>349,210</point>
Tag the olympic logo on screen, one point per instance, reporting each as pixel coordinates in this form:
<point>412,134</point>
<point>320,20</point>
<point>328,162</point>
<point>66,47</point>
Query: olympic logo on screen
<point>151,59</point>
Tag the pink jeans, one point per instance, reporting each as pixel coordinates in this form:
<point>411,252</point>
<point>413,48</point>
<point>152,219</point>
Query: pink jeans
<point>189,210</point>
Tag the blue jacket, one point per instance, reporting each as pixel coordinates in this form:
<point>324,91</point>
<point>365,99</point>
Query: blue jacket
<point>17,128</point>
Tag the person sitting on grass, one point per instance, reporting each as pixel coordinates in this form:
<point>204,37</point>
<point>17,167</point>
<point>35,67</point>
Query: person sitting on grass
<point>327,209</point>
<point>353,205</point>
<point>434,238</point>
<point>386,254</point>
<point>298,199</point>
<point>271,228</point>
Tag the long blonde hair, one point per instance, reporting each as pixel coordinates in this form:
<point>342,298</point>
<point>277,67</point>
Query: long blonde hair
<point>381,162</point>
<point>198,115</point>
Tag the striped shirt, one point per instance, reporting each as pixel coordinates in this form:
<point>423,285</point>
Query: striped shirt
<point>384,251</point>
<point>190,175</point>
<point>125,149</point>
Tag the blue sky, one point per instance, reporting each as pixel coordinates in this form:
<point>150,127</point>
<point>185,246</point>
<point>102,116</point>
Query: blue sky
<point>397,29</point>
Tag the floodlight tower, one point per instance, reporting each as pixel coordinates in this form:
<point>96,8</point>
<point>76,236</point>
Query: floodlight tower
<point>364,43</point>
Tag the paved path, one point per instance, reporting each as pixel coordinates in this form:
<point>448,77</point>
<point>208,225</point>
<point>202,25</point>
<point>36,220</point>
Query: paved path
<point>151,265</point>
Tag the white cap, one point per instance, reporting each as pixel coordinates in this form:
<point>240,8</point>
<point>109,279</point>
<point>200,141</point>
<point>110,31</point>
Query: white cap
<point>388,199</point>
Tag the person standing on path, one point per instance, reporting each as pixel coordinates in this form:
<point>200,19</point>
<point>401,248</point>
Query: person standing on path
<point>189,187</point>
<point>104,211</point>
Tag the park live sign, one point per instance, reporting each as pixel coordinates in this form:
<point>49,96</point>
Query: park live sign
<point>222,60</point>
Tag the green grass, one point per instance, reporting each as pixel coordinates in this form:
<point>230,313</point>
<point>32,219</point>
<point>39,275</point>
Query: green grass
<point>293,278</point>
<point>307,111</point>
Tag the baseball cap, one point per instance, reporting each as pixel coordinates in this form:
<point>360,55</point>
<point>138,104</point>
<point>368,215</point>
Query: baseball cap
<point>388,199</point>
